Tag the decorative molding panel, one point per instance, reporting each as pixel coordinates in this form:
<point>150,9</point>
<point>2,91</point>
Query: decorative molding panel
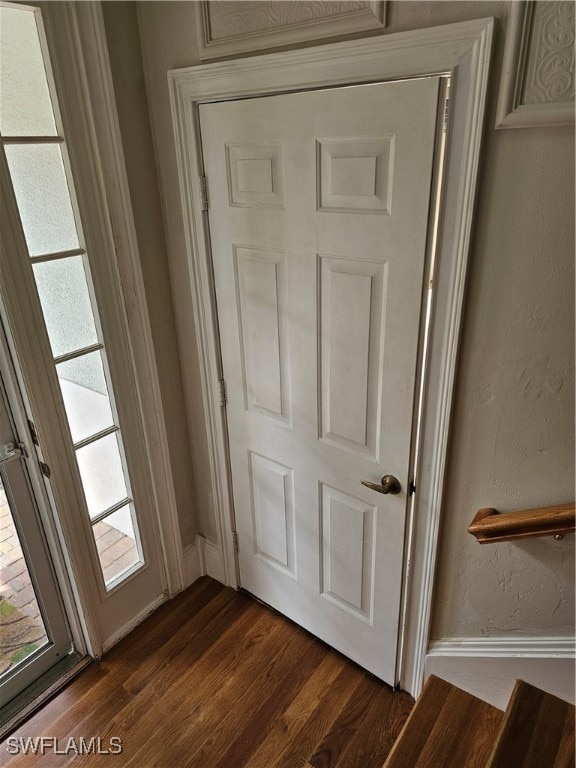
<point>352,305</point>
<point>261,299</point>
<point>355,175</point>
<point>272,491</point>
<point>229,27</point>
<point>255,175</point>
<point>537,82</point>
<point>347,556</point>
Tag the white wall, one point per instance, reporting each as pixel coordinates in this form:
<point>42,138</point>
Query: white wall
<point>512,442</point>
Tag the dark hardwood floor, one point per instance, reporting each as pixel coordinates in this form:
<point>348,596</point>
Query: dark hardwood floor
<point>215,680</point>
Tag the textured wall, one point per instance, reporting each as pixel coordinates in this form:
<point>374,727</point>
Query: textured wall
<point>512,434</point>
<point>512,438</point>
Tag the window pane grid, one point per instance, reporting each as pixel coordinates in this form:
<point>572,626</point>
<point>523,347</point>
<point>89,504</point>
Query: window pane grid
<point>118,545</point>
<point>57,255</point>
<point>64,290</point>
<point>108,512</point>
<point>102,471</point>
<point>78,353</point>
<point>43,188</point>
<point>97,436</point>
<point>32,139</point>
<point>43,194</point>
<point>27,104</point>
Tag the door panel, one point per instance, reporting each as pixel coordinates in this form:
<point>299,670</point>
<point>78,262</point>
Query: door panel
<point>348,526</point>
<point>352,301</point>
<point>272,486</point>
<point>260,279</point>
<point>318,221</point>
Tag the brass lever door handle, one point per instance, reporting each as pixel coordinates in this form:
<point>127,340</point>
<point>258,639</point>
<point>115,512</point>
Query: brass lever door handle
<point>388,484</point>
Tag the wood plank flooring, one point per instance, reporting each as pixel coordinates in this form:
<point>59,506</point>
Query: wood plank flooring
<point>215,680</point>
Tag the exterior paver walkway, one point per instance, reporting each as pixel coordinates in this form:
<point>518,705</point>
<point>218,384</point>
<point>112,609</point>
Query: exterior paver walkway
<point>116,550</point>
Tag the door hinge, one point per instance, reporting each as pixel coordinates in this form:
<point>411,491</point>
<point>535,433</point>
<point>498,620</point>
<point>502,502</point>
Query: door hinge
<point>45,469</point>
<point>33,433</point>
<point>203,193</point>
<point>222,385</point>
<point>446,109</point>
<point>235,542</point>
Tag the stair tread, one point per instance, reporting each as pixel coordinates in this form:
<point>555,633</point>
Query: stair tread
<point>538,730</point>
<point>448,727</point>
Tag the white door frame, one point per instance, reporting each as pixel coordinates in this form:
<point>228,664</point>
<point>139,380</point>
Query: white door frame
<point>461,51</point>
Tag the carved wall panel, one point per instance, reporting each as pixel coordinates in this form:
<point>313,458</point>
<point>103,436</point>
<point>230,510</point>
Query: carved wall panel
<point>230,27</point>
<point>537,83</point>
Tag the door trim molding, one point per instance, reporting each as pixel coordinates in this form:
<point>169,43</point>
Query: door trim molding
<point>459,50</point>
<point>79,54</point>
<point>90,41</point>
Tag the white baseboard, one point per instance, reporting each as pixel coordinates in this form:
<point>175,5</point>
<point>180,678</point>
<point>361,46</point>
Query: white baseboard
<point>488,668</point>
<point>214,562</point>
<point>194,565</point>
<point>202,558</point>
<point>133,623</point>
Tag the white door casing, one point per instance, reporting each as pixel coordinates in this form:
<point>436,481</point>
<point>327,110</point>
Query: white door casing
<point>319,206</point>
<point>459,50</point>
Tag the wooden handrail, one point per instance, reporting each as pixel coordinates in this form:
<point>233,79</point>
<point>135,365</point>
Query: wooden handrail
<point>489,525</point>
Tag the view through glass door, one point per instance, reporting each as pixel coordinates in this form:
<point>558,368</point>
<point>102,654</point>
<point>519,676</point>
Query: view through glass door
<point>34,634</point>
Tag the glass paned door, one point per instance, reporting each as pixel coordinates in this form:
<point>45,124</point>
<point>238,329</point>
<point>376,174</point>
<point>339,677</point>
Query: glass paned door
<point>22,629</point>
<point>34,634</point>
<point>36,163</point>
<point>68,317</point>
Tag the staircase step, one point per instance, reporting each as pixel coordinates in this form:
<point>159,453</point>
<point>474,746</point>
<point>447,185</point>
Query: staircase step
<point>448,728</point>
<point>538,730</point>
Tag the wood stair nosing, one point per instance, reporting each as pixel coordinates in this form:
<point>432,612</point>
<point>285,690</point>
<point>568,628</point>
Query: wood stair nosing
<point>538,730</point>
<point>448,727</point>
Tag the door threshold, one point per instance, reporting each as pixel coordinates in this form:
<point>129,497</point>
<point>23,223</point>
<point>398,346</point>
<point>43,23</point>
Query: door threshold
<point>22,706</point>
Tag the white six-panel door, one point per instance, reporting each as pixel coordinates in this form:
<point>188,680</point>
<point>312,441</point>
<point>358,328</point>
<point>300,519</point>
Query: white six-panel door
<point>318,217</point>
